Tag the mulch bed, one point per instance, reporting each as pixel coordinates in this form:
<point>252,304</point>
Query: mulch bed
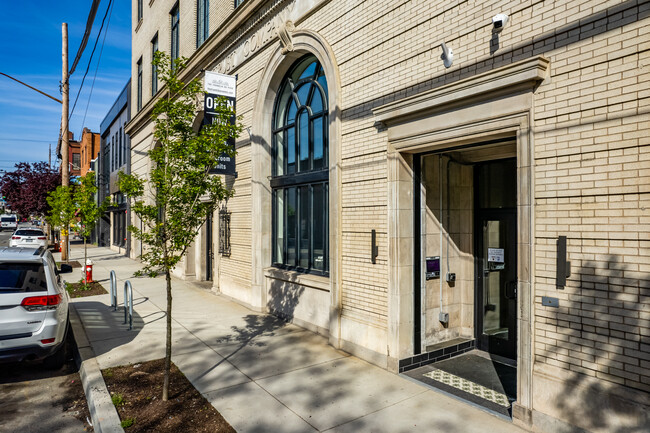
<point>73,263</point>
<point>80,290</point>
<point>73,400</point>
<point>136,390</point>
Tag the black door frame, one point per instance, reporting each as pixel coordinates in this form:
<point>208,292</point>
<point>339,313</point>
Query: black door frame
<point>505,348</point>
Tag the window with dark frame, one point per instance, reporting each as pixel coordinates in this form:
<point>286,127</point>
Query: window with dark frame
<point>202,21</point>
<point>300,176</point>
<point>139,101</point>
<point>154,69</point>
<point>175,33</point>
<point>140,10</point>
<point>238,2</point>
<point>76,161</point>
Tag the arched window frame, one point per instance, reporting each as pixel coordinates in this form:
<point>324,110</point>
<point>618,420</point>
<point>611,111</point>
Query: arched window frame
<point>300,175</point>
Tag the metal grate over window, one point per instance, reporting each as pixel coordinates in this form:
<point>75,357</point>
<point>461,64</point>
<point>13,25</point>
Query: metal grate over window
<point>224,232</point>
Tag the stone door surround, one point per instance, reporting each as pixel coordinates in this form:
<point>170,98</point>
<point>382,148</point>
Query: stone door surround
<point>490,105</point>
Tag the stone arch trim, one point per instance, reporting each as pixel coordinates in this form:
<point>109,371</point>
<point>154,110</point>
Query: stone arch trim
<point>304,42</point>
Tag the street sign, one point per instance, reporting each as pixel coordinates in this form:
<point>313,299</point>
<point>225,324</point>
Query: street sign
<point>219,85</point>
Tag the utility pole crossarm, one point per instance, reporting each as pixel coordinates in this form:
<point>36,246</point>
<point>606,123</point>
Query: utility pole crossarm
<point>33,88</point>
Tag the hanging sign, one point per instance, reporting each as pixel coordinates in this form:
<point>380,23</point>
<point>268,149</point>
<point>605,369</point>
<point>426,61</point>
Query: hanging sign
<point>219,85</point>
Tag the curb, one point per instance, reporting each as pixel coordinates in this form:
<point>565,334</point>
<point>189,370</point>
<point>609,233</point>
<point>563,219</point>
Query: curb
<point>102,411</point>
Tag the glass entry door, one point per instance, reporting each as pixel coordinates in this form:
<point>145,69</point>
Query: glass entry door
<point>497,283</point>
<point>495,234</point>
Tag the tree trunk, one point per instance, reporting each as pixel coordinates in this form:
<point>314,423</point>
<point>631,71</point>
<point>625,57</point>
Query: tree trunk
<point>168,343</point>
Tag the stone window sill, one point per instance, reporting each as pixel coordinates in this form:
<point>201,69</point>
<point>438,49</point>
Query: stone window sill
<point>307,280</point>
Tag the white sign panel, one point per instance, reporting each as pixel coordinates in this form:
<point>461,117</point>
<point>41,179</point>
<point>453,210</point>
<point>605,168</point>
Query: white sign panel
<point>220,84</point>
<point>496,255</point>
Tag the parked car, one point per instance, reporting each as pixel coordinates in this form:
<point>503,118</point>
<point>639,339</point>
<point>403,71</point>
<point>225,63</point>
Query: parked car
<point>28,237</point>
<point>8,222</point>
<point>33,307</point>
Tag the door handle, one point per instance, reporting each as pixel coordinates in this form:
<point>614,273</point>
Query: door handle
<point>511,290</point>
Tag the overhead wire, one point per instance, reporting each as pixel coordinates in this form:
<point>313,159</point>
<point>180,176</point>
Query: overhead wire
<point>108,8</point>
<point>99,59</point>
<point>84,40</point>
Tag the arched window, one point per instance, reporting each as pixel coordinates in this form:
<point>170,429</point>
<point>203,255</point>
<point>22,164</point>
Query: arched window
<point>300,169</point>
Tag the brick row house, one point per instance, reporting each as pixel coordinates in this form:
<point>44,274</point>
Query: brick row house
<point>422,181</point>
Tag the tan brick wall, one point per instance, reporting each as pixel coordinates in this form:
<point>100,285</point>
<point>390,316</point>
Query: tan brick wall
<point>590,134</point>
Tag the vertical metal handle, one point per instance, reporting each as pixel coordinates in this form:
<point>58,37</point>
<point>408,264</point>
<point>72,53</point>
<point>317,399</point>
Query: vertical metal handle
<point>128,304</point>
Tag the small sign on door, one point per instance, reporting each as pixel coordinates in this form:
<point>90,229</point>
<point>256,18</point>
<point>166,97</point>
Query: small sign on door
<point>496,259</point>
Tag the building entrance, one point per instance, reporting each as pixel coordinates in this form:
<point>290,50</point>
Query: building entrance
<point>467,327</point>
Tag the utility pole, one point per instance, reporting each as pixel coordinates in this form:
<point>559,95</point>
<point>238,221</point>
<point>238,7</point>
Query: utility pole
<point>65,174</point>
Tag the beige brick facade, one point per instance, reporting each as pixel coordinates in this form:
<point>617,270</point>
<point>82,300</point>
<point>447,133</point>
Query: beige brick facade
<point>579,131</point>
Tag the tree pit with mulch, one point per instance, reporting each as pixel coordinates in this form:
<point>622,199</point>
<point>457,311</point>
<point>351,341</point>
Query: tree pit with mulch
<point>136,391</point>
<point>81,290</point>
<point>73,263</point>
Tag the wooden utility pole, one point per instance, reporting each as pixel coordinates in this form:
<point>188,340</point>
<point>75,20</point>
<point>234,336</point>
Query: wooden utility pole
<point>65,168</point>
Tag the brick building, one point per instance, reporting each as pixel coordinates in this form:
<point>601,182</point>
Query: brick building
<point>80,153</point>
<point>493,203</point>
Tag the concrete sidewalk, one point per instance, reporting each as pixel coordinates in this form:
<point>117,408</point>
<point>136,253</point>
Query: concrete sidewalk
<point>262,374</point>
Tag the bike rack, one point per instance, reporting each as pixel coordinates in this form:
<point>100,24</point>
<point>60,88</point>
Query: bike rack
<point>113,291</point>
<point>128,304</point>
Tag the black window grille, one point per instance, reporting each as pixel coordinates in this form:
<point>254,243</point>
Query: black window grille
<point>224,232</point>
<point>300,177</point>
<point>139,101</point>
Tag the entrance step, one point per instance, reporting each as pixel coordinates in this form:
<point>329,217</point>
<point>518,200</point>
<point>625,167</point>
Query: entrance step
<point>472,377</point>
<point>448,343</point>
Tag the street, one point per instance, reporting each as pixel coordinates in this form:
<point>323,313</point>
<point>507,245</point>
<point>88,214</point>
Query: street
<point>34,399</point>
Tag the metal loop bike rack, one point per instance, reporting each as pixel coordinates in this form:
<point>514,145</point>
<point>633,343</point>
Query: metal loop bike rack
<point>113,291</point>
<point>128,304</point>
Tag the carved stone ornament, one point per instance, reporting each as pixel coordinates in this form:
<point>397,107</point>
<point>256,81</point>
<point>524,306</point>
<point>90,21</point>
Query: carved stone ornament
<point>284,33</point>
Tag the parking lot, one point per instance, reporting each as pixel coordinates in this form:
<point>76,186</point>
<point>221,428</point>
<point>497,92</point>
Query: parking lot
<point>34,399</point>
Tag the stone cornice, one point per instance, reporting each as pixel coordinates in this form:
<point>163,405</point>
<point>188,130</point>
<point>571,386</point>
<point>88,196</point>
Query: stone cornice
<point>507,79</point>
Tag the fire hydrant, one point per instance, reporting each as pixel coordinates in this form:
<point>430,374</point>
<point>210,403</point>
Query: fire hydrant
<point>88,269</point>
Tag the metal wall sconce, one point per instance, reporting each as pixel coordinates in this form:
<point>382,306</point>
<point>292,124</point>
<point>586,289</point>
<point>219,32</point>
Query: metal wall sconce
<point>562,266</point>
<point>374,248</point>
<point>447,55</point>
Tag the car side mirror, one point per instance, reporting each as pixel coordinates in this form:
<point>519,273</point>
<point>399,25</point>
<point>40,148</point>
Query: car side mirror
<point>65,269</point>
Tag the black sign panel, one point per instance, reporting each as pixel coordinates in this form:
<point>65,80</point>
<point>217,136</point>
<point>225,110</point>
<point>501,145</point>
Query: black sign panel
<point>226,163</point>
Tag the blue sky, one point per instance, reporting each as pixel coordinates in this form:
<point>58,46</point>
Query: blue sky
<point>31,52</point>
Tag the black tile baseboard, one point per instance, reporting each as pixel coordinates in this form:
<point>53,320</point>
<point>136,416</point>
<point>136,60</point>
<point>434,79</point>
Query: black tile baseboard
<point>416,361</point>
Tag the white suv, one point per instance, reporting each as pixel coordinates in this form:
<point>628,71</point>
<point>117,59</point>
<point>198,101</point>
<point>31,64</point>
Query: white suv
<point>8,222</point>
<point>33,307</point>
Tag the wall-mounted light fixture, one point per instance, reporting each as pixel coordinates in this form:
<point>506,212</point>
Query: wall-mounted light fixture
<point>447,55</point>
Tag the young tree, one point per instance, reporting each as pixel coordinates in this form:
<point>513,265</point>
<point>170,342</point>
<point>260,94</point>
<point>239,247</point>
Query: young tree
<point>88,211</point>
<point>174,201</point>
<point>62,208</point>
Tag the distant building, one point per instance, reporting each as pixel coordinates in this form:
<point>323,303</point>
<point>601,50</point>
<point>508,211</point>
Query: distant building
<point>89,149</point>
<point>80,153</point>
<point>114,156</point>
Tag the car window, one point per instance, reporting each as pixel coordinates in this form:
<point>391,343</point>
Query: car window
<point>29,233</point>
<point>8,219</point>
<point>22,277</point>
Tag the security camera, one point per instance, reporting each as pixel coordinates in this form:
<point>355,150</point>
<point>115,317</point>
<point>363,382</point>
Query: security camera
<point>447,55</point>
<point>499,22</point>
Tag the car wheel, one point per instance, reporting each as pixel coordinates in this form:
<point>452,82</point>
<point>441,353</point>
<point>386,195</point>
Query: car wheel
<point>56,361</point>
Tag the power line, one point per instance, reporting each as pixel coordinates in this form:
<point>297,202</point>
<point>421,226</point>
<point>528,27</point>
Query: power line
<point>90,60</point>
<point>99,59</point>
<point>84,40</point>
<point>24,139</point>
